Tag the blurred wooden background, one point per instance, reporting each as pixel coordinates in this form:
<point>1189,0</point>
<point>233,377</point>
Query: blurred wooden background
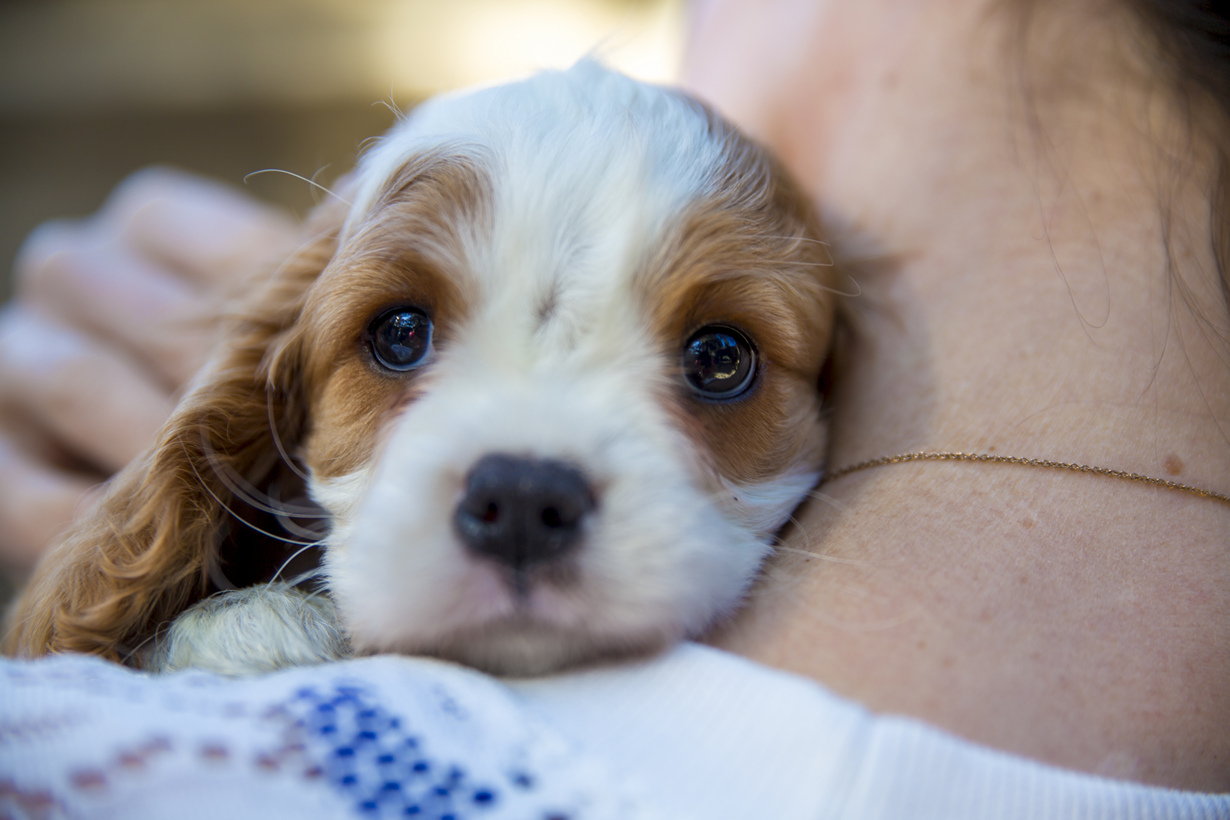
<point>91,90</point>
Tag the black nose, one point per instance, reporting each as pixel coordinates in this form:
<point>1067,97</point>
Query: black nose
<point>522,511</point>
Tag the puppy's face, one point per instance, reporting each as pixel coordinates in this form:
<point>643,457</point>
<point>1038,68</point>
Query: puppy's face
<point>563,374</point>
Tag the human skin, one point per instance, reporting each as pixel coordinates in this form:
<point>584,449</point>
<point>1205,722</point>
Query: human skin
<point>1008,185</point>
<point>113,314</point>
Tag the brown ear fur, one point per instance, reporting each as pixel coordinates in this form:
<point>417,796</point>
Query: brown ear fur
<point>143,553</point>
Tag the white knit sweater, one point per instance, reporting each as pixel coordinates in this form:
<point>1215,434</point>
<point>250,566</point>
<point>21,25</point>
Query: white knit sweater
<point>696,733</point>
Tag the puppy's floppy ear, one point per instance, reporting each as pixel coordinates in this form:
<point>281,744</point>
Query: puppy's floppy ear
<point>143,553</point>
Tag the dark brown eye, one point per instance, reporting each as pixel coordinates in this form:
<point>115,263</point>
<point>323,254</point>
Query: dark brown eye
<point>400,338</point>
<point>719,362</point>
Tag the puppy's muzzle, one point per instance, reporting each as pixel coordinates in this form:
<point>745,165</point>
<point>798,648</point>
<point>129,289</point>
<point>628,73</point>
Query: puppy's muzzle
<point>523,512</point>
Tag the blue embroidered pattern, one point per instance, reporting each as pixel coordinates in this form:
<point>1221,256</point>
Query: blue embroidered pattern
<point>437,745</point>
<point>368,755</point>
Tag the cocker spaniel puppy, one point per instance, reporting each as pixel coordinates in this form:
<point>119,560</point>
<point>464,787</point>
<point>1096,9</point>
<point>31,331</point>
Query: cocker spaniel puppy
<point>551,364</point>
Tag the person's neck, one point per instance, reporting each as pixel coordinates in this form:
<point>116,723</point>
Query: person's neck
<point>1033,220</point>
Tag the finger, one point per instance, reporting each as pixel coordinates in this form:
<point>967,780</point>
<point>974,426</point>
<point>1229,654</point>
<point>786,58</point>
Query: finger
<point>206,230</point>
<point>78,278</point>
<point>37,503</point>
<point>101,406</point>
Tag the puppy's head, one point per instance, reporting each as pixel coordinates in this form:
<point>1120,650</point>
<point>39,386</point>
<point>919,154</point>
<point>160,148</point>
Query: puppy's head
<point>564,369</point>
<point>557,384</point>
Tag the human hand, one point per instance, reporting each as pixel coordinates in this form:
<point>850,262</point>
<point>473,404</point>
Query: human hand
<point>112,315</point>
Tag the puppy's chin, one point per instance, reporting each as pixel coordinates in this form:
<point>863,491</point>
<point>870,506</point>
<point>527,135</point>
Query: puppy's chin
<point>520,647</point>
<point>551,620</point>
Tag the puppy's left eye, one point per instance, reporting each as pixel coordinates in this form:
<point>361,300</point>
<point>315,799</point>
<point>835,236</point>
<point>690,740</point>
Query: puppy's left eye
<point>400,338</point>
<point>719,362</point>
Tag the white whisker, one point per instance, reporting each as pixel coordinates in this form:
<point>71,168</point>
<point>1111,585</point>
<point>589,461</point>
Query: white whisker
<point>292,557</point>
<point>219,577</point>
<point>250,495</point>
<point>301,177</point>
<point>277,438</point>
<point>210,490</point>
<point>392,106</point>
<point>829,500</point>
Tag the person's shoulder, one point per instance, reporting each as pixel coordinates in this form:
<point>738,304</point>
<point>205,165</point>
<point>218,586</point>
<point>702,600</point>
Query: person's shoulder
<point>712,733</point>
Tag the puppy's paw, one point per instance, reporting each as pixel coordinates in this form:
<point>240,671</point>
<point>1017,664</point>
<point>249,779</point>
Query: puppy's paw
<point>249,632</point>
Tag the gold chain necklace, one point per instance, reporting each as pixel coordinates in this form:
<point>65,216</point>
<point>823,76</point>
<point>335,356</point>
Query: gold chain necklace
<point>1028,462</point>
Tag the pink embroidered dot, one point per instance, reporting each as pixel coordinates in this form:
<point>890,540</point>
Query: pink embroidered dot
<point>132,760</point>
<point>88,779</point>
<point>215,752</point>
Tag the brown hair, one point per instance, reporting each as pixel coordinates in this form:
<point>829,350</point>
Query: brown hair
<point>1192,40</point>
<point>1176,48</point>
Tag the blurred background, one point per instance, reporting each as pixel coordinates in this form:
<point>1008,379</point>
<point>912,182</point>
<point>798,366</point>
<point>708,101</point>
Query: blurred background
<point>91,90</point>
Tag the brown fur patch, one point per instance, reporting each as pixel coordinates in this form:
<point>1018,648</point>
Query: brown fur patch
<point>749,256</point>
<point>409,253</point>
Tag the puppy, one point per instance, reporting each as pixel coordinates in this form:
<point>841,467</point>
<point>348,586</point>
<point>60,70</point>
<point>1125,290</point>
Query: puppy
<point>551,363</point>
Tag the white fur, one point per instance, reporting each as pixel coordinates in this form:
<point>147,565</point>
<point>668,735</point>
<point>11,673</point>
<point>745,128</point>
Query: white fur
<point>248,631</point>
<point>765,506</point>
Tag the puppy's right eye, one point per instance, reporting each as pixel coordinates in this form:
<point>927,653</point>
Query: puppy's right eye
<point>400,338</point>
